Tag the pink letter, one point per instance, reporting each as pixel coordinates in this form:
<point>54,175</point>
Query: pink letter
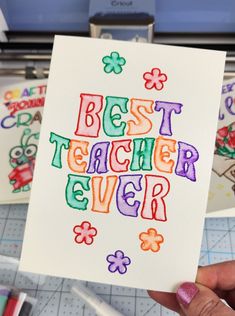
<point>88,118</point>
<point>115,164</point>
<point>154,207</point>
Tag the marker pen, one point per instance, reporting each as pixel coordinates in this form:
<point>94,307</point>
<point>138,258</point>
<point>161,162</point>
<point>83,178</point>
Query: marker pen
<point>4,294</point>
<point>10,306</point>
<point>28,306</point>
<point>96,302</point>
<point>21,298</point>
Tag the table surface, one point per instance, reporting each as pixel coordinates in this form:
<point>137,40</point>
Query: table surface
<point>53,294</point>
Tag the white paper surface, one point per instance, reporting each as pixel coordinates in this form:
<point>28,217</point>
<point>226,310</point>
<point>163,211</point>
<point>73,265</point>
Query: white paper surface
<point>21,108</point>
<point>53,243</point>
<point>221,199</point>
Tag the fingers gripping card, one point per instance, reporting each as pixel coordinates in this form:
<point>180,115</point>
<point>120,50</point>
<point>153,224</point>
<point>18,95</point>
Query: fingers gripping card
<point>124,161</point>
<point>21,108</point>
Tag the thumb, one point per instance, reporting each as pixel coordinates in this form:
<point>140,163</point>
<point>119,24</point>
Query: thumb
<point>197,300</point>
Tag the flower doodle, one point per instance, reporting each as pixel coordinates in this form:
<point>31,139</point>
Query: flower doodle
<point>154,79</point>
<point>84,233</point>
<point>225,141</point>
<point>224,155</point>
<point>118,262</point>
<point>151,240</point>
<point>113,63</point>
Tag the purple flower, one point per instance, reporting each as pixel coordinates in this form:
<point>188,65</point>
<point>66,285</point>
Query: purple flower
<point>118,262</point>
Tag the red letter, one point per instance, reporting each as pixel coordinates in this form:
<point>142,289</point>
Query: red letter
<point>88,119</point>
<point>154,206</point>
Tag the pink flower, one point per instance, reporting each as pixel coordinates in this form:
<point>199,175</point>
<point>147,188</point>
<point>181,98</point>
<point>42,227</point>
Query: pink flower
<point>84,233</point>
<point>154,79</point>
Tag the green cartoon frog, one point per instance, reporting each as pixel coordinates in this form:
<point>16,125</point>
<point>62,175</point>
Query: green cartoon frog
<point>22,160</point>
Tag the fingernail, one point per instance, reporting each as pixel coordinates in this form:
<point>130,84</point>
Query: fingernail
<point>186,293</point>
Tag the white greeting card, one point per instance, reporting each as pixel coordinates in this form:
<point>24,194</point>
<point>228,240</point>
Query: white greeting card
<point>21,108</point>
<point>123,167</point>
<point>221,199</point>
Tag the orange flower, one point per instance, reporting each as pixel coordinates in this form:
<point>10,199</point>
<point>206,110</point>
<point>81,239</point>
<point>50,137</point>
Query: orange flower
<point>151,240</point>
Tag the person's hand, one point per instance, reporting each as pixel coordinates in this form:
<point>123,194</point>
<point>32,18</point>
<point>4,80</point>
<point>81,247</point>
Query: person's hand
<point>203,297</point>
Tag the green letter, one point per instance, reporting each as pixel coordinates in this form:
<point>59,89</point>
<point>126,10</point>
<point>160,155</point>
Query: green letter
<point>110,128</point>
<point>60,142</point>
<point>71,194</point>
<point>24,119</point>
<point>142,154</point>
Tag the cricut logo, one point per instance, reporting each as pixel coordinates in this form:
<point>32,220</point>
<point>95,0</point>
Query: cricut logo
<point>116,3</point>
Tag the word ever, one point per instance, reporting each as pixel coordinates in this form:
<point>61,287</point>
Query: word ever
<point>21,119</point>
<point>25,92</point>
<point>152,207</point>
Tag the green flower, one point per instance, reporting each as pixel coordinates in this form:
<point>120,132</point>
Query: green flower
<point>113,63</point>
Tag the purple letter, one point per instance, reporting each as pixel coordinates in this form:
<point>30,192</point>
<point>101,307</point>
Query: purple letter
<point>187,156</point>
<point>99,158</point>
<point>168,108</point>
<point>229,102</point>
<point>122,196</point>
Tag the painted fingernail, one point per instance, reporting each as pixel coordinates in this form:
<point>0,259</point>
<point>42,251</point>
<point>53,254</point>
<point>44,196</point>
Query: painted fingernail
<point>186,293</point>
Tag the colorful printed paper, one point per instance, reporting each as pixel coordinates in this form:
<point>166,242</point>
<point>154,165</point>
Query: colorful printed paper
<point>21,108</point>
<point>123,167</point>
<point>222,187</point>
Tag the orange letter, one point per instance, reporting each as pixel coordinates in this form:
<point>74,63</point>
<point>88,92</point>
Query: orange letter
<point>88,117</point>
<point>74,157</point>
<point>143,125</point>
<point>154,207</point>
<point>99,204</point>
<point>115,164</point>
<point>160,154</point>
